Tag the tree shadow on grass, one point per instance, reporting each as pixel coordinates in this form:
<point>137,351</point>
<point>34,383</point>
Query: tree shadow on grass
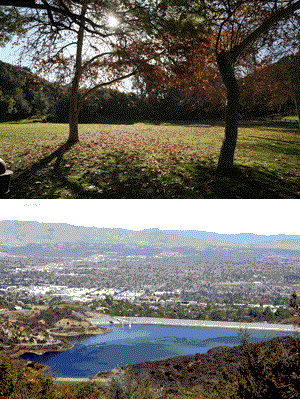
<point>23,183</point>
<point>116,176</point>
<point>276,148</point>
<point>57,154</point>
<point>283,126</point>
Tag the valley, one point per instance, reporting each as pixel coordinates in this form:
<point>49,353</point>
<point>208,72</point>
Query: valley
<point>61,286</point>
<point>140,273</point>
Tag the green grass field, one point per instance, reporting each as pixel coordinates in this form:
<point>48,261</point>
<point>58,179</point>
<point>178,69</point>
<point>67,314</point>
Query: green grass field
<point>150,161</point>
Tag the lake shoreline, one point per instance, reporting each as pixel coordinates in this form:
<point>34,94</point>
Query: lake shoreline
<point>63,345</point>
<point>172,339</point>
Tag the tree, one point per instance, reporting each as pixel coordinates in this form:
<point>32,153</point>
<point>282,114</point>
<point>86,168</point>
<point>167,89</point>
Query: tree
<point>295,82</point>
<point>7,106</point>
<point>23,93</point>
<point>170,34</point>
<point>10,24</point>
<point>80,47</point>
<point>19,3</point>
<point>185,75</point>
<point>294,301</point>
<point>269,373</point>
<point>19,381</point>
<point>267,369</point>
<point>185,84</point>
<point>237,31</point>
<point>267,91</point>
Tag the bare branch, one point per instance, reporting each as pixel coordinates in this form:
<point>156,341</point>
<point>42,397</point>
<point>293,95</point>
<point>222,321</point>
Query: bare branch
<point>93,89</point>
<point>87,63</point>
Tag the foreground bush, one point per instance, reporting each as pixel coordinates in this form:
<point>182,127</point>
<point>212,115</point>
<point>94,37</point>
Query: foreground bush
<point>267,370</point>
<point>19,381</point>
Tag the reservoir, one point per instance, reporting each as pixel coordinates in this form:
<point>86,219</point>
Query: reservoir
<point>140,343</point>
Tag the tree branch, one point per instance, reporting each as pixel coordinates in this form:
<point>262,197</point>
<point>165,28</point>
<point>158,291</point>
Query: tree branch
<point>97,56</point>
<point>230,13</point>
<point>275,17</point>
<point>93,89</point>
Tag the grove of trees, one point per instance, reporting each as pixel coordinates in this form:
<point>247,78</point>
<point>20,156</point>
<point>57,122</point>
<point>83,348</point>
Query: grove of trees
<point>264,93</point>
<point>194,55</point>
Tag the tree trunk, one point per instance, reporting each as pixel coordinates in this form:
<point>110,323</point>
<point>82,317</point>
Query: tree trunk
<point>232,109</point>
<point>74,107</point>
<point>225,60</point>
<point>73,119</point>
<point>295,82</point>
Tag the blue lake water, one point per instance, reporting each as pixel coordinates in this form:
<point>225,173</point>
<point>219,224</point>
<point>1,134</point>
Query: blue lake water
<point>139,344</point>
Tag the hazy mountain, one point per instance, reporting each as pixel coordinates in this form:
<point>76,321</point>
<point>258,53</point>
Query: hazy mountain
<point>239,238</point>
<point>34,236</point>
<point>29,237</point>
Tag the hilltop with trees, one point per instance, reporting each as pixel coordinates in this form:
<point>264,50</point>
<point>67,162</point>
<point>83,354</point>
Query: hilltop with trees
<point>24,94</point>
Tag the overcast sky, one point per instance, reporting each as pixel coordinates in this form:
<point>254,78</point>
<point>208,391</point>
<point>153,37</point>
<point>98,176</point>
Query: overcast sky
<point>222,216</point>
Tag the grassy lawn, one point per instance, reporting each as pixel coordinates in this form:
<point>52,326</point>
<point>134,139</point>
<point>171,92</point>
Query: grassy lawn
<point>290,118</point>
<point>150,161</point>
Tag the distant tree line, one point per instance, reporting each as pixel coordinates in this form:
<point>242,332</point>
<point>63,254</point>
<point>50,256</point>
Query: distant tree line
<point>113,106</point>
<point>210,312</point>
<point>24,95</point>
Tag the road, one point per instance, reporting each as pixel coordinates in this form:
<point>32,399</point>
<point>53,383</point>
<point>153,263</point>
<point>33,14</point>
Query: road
<point>79,380</point>
<point>192,322</point>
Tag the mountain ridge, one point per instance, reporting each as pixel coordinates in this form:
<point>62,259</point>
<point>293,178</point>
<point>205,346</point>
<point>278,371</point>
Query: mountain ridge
<point>23,234</point>
<point>242,237</point>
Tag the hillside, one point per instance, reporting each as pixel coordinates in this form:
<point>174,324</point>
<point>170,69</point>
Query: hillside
<point>24,94</point>
<point>40,331</point>
<point>239,238</point>
<point>35,235</point>
<point>267,369</point>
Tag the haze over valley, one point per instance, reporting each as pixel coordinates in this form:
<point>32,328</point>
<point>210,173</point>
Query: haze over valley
<point>156,267</point>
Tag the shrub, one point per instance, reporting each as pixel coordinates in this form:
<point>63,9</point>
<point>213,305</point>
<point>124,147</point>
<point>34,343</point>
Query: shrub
<point>267,370</point>
<point>19,381</point>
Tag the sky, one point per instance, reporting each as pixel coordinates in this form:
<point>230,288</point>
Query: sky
<point>10,54</point>
<point>6,55</point>
<point>222,216</point>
